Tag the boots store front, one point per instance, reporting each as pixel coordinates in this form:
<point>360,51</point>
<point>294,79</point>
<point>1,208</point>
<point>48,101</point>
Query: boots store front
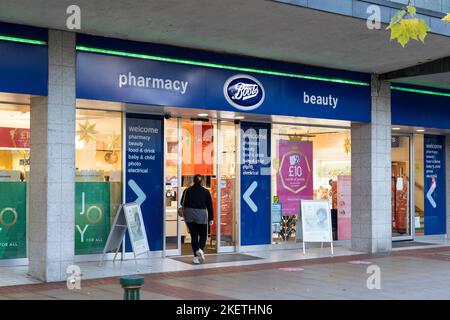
<point>263,134</point>
<point>263,140</point>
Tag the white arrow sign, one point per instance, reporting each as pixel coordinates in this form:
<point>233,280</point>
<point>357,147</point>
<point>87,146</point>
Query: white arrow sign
<point>430,192</point>
<point>247,195</point>
<point>140,194</point>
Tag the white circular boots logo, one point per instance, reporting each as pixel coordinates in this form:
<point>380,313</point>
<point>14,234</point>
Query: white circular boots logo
<point>244,92</point>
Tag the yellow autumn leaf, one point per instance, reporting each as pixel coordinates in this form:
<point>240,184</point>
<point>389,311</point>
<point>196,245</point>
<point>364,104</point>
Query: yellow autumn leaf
<point>396,30</point>
<point>403,30</point>
<point>422,30</point>
<point>410,26</point>
<point>411,10</point>
<point>446,18</point>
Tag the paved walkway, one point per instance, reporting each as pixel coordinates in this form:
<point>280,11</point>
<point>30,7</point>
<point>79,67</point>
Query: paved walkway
<point>406,274</point>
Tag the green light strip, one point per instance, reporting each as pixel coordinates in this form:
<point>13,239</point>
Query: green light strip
<point>434,93</point>
<point>218,66</point>
<point>22,40</point>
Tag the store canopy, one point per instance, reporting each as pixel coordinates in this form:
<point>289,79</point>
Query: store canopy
<point>265,29</point>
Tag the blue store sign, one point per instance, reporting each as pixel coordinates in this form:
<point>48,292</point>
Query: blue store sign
<point>435,210</point>
<point>129,80</point>
<point>417,109</point>
<point>144,173</point>
<point>24,68</point>
<point>255,184</point>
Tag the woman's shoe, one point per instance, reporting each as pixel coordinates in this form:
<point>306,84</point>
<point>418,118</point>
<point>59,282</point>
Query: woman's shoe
<point>200,255</point>
<point>196,260</point>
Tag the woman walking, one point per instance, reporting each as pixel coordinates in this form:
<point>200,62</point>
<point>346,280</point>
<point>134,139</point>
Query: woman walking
<point>198,212</point>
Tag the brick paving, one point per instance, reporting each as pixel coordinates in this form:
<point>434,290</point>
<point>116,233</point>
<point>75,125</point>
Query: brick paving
<point>406,274</point>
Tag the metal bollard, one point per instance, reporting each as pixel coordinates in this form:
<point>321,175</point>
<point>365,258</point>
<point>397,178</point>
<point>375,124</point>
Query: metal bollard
<point>131,287</point>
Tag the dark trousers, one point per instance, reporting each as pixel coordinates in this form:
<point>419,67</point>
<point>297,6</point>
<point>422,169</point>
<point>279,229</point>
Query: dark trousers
<point>199,233</point>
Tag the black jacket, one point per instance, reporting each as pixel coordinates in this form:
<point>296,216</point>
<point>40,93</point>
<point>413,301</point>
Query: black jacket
<point>198,197</point>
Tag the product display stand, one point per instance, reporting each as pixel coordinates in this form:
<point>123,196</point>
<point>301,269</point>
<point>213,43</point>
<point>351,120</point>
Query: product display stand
<point>318,227</point>
<point>321,247</point>
<point>117,235</point>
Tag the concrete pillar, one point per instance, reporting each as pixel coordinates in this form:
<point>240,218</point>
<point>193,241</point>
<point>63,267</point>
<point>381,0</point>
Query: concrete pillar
<point>52,171</point>
<point>447,186</point>
<point>371,175</point>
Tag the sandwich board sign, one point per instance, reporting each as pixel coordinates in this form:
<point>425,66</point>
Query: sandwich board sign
<point>316,222</point>
<point>128,217</point>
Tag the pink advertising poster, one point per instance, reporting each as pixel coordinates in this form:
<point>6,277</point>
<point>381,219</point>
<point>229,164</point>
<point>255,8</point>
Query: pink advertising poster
<point>295,174</point>
<point>344,207</point>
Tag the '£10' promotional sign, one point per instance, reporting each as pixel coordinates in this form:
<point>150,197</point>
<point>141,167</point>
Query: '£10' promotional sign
<point>294,177</point>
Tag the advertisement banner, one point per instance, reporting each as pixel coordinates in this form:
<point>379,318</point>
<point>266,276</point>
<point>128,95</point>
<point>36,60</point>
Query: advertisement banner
<point>344,207</point>
<point>255,184</point>
<point>13,199</point>
<point>197,149</point>
<point>144,173</point>
<point>14,138</point>
<point>316,221</point>
<point>435,211</point>
<point>295,174</point>
<point>135,223</point>
<point>92,216</point>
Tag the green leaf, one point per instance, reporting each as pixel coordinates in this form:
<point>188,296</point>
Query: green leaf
<point>446,18</point>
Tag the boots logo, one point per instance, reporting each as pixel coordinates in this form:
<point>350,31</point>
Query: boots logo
<point>244,92</point>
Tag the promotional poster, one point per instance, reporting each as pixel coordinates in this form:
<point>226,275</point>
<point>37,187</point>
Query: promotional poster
<point>295,174</point>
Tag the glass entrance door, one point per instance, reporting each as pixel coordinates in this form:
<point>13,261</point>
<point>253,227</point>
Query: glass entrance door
<point>207,148</point>
<point>225,214</point>
<point>173,226</point>
<point>401,187</point>
<point>198,156</point>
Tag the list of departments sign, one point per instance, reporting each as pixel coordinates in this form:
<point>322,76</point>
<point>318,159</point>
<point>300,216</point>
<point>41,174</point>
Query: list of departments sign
<point>13,198</point>
<point>434,149</point>
<point>92,216</point>
<point>255,184</point>
<point>144,173</point>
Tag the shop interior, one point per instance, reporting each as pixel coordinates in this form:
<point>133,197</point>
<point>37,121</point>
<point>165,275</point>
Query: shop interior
<point>200,154</point>
<point>327,152</point>
<point>98,177</point>
<point>14,174</point>
<point>408,202</point>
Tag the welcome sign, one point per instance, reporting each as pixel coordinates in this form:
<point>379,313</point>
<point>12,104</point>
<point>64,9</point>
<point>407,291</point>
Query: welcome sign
<point>435,184</point>
<point>140,81</point>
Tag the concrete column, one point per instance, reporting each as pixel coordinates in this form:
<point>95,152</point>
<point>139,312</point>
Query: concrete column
<point>52,171</point>
<point>371,175</point>
<point>447,186</point>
